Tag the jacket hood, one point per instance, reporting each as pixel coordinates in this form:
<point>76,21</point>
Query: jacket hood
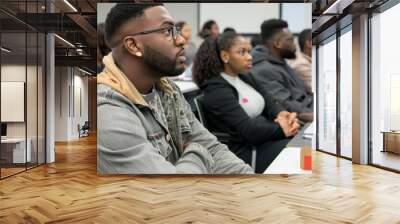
<point>261,53</point>
<point>112,76</point>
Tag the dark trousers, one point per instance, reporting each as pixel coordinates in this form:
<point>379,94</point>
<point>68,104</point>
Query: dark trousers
<point>266,153</point>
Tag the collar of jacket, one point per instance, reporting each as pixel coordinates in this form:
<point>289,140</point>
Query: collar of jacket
<point>261,53</point>
<point>116,79</point>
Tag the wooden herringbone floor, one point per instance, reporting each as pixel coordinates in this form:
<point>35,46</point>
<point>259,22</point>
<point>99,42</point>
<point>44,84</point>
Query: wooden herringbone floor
<point>69,191</point>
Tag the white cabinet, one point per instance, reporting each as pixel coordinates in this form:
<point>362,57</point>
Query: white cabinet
<point>15,148</point>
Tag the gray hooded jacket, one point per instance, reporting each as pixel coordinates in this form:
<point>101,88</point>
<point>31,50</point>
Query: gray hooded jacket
<point>281,81</point>
<point>164,137</point>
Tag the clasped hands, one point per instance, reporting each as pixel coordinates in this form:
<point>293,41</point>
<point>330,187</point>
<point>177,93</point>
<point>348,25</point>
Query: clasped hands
<point>288,122</point>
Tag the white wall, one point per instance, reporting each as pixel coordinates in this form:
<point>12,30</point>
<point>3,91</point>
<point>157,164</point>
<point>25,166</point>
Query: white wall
<point>188,12</point>
<point>80,103</point>
<point>12,101</point>
<point>297,15</point>
<point>230,15</point>
<point>69,82</point>
<point>180,11</point>
<point>243,17</point>
<point>61,103</point>
<point>33,125</point>
<point>12,73</point>
<point>102,11</point>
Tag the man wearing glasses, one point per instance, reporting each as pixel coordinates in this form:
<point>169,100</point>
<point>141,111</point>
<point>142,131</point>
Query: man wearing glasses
<point>145,126</point>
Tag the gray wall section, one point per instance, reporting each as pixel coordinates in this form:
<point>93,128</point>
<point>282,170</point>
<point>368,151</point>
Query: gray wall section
<point>102,10</point>
<point>188,12</point>
<point>179,11</point>
<point>67,80</point>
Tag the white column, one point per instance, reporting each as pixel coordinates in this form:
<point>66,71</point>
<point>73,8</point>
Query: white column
<point>50,92</point>
<point>360,90</point>
<point>50,99</point>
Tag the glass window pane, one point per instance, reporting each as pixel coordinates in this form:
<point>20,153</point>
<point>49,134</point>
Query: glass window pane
<point>346,94</point>
<point>23,86</point>
<point>41,98</point>
<point>13,86</point>
<point>31,96</point>
<point>385,86</point>
<point>327,96</point>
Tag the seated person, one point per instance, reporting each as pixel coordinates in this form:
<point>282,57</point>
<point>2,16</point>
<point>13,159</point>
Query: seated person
<point>145,126</point>
<point>255,40</point>
<point>302,65</point>
<point>210,28</point>
<point>190,47</point>
<point>235,104</point>
<point>102,48</point>
<point>274,74</point>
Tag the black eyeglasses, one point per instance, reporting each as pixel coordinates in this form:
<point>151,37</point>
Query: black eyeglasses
<point>173,31</point>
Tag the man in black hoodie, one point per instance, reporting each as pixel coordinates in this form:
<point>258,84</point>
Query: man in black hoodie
<point>272,72</point>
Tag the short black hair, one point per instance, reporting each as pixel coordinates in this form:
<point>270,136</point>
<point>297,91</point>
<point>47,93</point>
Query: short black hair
<point>101,42</point>
<point>121,13</point>
<point>255,40</point>
<point>207,62</point>
<point>303,37</point>
<point>271,27</point>
<point>229,29</point>
<point>205,30</point>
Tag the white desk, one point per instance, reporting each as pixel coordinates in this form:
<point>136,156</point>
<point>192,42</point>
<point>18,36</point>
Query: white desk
<point>18,149</point>
<point>287,162</point>
<point>186,86</point>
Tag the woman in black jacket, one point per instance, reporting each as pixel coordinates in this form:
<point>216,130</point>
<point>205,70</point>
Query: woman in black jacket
<point>235,104</point>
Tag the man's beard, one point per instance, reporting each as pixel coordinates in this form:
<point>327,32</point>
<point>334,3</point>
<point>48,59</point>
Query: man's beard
<point>288,54</point>
<point>161,63</point>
